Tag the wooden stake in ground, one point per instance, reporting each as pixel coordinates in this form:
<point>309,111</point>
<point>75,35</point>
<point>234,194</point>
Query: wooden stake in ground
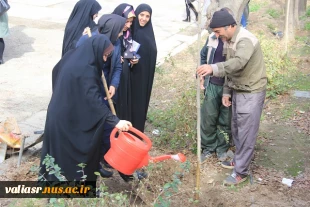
<point>105,85</point>
<point>198,109</point>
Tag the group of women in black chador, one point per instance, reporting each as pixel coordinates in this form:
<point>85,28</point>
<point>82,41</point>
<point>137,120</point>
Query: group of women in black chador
<point>79,120</point>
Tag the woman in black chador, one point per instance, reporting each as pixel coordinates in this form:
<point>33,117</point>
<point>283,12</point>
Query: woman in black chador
<point>82,15</point>
<point>123,104</point>
<point>142,73</point>
<point>76,113</point>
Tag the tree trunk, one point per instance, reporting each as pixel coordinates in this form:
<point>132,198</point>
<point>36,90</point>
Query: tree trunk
<point>237,7</point>
<point>289,22</point>
<point>296,14</point>
<point>302,7</point>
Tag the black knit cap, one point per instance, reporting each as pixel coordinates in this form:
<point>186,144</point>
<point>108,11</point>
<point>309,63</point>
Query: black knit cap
<point>222,18</point>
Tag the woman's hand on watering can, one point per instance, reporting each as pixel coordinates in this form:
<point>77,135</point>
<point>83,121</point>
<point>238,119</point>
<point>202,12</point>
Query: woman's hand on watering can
<point>123,125</point>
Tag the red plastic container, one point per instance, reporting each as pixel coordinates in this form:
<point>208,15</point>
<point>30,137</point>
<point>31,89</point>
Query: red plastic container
<point>128,152</point>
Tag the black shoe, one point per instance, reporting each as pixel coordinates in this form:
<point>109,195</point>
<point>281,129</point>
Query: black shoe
<point>107,165</point>
<point>105,173</point>
<point>187,19</point>
<point>126,178</point>
<point>141,174</point>
<point>1,62</point>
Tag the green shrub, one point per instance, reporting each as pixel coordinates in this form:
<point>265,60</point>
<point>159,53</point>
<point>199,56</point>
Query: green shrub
<point>177,122</point>
<point>301,38</point>
<point>307,26</point>
<point>271,27</point>
<point>308,12</point>
<point>273,13</point>
<point>171,188</point>
<point>278,66</point>
<point>254,6</point>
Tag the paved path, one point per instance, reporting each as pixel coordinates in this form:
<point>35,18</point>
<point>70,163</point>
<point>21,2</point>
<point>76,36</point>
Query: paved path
<point>34,47</point>
<point>167,17</point>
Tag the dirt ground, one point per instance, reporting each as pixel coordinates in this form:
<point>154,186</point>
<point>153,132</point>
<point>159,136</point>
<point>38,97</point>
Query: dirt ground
<point>282,149</point>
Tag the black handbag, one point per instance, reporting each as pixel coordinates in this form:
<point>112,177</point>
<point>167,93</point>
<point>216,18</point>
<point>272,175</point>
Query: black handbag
<point>4,6</point>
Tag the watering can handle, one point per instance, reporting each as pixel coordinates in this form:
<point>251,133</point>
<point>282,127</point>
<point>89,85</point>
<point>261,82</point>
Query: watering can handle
<point>137,132</point>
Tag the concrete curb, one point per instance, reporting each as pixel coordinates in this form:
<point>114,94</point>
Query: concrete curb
<point>181,47</point>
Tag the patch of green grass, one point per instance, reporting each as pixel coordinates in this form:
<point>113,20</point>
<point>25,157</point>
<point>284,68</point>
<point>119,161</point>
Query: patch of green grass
<point>301,38</point>
<point>288,111</point>
<point>292,108</point>
<point>279,67</point>
<point>254,6</point>
<point>301,82</point>
<point>305,50</point>
<point>306,15</point>
<point>262,134</point>
<point>295,169</point>
<point>233,188</point>
<point>262,118</point>
<point>177,122</point>
<point>159,70</point>
<point>307,26</point>
<point>236,188</point>
<point>280,84</point>
<point>287,149</point>
<point>28,202</point>
<point>273,13</point>
<point>302,18</point>
<point>308,12</point>
<point>170,60</point>
<point>271,27</point>
<point>301,50</point>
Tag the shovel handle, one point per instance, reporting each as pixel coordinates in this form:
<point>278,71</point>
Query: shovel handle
<point>107,93</point>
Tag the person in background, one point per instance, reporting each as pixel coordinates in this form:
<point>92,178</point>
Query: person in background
<point>82,16</point>
<point>111,25</point>
<point>123,106</point>
<point>245,84</point>
<point>4,31</point>
<point>215,117</point>
<point>142,73</point>
<point>76,114</point>
<point>245,16</point>
<point>189,5</point>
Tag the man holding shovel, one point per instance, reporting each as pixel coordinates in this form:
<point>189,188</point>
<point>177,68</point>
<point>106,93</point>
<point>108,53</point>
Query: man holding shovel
<point>245,85</point>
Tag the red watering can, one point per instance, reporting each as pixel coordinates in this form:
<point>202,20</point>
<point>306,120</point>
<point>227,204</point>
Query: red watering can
<point>129,153</point>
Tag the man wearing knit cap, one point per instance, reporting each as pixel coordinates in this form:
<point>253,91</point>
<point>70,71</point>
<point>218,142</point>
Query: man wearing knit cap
<point>244,88</point>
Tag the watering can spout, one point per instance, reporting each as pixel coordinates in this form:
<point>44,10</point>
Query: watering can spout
<point>178,157</point>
